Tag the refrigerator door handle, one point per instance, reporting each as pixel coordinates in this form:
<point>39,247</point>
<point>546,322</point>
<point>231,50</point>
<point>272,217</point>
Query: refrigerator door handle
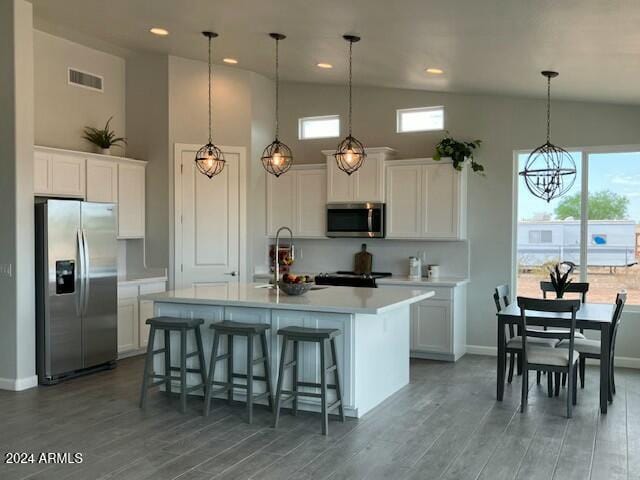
<point>80,274</point>
<point>87,280</point>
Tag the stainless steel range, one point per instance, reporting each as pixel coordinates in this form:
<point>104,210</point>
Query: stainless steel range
<point>350,279</point>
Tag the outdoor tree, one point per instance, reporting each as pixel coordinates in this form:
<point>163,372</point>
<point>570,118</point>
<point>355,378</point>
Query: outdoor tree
<point>604,205</point>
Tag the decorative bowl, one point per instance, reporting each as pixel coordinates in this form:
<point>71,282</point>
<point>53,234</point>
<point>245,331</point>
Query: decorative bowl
<point>295,288</point>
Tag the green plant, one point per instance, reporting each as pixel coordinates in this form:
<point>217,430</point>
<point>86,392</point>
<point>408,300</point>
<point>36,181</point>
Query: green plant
<point>103,137</point>
<point>459,152</point>
<point>560,279</point>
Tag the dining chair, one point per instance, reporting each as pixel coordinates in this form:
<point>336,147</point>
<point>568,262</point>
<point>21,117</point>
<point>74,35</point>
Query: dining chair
<point>591,348</point>
<point>550,360</point>
<point>501,298</point>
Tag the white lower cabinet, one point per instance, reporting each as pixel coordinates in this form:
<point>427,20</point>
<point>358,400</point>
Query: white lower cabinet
<point>439,324</point>
<point>133,332</point>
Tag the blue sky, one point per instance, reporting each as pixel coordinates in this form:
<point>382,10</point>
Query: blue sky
<point>618,172</point>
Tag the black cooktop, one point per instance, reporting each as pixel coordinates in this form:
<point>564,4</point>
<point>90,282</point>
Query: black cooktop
<point>350,279</point>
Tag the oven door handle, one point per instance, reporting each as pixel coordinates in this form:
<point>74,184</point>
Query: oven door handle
<point>370,220</point>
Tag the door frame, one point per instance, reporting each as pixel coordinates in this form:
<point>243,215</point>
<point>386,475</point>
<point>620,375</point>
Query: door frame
<point>177,209</point>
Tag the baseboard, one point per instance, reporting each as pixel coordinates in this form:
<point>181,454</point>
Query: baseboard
<point>626,362</point>
<point>18,384</point>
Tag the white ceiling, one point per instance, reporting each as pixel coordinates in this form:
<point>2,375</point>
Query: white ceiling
<point>487,46</point>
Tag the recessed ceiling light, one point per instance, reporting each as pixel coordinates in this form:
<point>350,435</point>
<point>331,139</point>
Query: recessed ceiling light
<point>434,71</point>
<point>324,65</point>
<point>163,32</point>
<point>232,61</point>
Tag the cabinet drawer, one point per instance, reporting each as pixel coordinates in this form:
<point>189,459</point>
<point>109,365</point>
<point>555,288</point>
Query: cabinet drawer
<point>441,293</point>
<point>156,287</point>
<point>127,291</point>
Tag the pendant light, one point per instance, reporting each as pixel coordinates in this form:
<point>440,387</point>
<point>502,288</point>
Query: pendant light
<point>276,157</point>
<point>550,171</point>
<point>350,154</point>
<point>209,159</point>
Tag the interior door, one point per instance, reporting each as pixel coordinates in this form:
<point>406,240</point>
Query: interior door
<point>100,308</point>
<point>208,222</point>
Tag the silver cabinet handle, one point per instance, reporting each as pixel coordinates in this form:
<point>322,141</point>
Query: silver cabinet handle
<point>233,274</point>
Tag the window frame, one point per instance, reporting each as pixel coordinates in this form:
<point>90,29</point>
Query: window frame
<point>584,207</point>
<point>302,120</point>
<point>431,108</point>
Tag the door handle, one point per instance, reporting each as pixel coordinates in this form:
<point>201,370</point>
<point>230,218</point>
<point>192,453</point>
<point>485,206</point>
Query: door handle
<point>87,282</point>
<point>233,273</point>
<point>80,274</point>
<point>370,220</point>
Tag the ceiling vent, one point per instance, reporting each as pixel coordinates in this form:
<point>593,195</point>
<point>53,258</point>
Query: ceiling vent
<point>86,80</point>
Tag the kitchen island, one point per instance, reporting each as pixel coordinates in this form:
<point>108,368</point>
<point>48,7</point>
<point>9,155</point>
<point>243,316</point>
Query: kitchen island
<point>373,350</point>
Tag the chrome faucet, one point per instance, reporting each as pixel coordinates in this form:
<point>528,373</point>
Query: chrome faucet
<point>276,261</point>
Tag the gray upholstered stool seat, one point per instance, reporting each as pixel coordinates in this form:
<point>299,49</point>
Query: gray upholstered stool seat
<point>250,331</point>
<point>516,342</point>
<point>325,337</point>
<point>167,325</point>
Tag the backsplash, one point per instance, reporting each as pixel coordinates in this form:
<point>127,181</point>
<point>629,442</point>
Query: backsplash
<point>388,255</point>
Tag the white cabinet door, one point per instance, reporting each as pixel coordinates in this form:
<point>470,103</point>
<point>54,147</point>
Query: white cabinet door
<point>280,201</point>
<point>102,181</point>
<point>340,186</point>
<point>369,180</point>
<point>145,312</point>
<point>431,326</point>
<point>440,207</point>
<point>310,203</point>
<point>67,175</point>
<point>131,200</point>
<point>404,206</point>
<point>127,324</point>
<point>41,172</point>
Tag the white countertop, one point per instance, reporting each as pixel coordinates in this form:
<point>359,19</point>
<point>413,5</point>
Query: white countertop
<point>326,299</point>
<point>151,275</point>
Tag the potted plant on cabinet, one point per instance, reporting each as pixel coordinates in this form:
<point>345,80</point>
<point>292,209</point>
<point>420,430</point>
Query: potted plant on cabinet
<point>103,138</point>
<point>459,152</point>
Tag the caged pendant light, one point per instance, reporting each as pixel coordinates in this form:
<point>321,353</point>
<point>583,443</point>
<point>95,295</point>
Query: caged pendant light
<point>350,154</point>
<point>276,157</point>
<point>209,159</point>
<point>550,171</point>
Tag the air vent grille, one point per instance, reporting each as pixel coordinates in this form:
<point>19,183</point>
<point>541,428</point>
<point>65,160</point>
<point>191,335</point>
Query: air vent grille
<point>85,80</point>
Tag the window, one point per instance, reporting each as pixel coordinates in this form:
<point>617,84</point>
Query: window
<point>540,236</point>
<point>327,126</point>
<point>421,119</point>
<point>596,225</point>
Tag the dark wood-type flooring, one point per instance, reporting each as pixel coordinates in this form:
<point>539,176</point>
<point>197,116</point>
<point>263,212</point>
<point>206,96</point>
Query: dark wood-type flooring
<point>445,424</point>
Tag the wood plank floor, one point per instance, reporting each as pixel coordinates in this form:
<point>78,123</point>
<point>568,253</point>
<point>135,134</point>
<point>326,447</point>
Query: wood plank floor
<point>445,424</point>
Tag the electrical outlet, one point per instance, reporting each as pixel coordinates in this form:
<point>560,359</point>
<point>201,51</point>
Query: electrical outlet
<point>6,270</point>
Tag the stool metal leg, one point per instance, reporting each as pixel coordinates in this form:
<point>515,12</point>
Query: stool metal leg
<point>230,369</point>
<point>183,370</point>
<point>336,379</point>
<point>250,378</point>
<point>323,388</point>
<point>267,369</point>
<point>212,371</point>
<point>280,378</point>
<point>148,367</point>
<point>294,378</point>
<point>203,365</point>
<point>167,360</point>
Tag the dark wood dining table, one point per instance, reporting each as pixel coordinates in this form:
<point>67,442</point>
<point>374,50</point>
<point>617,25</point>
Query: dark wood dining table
<point>590,316</point>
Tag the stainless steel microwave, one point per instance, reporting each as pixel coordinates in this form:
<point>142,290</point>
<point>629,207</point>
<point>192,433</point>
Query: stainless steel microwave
<point>355,220</point>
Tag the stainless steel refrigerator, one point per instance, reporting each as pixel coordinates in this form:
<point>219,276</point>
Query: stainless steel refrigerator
<point>76,287</point>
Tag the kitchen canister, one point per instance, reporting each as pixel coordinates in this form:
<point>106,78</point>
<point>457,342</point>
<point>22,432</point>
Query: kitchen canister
<point>434,271</point>
<point>415,268</point>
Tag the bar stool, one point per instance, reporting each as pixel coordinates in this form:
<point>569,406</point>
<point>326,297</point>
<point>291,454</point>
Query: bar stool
<point>322,337</point>
<point>250,331</point>
<point>169,324</point>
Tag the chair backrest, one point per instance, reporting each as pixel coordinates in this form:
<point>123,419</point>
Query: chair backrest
<point>501,297</point>
<point>621,299</point>
<point>574,287</point>
<point>548,306</point>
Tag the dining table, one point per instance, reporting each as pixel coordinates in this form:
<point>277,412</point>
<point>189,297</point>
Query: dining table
<point>590,316</point>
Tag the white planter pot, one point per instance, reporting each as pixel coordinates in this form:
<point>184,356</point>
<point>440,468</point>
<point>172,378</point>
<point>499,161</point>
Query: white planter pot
<point>105,151</point>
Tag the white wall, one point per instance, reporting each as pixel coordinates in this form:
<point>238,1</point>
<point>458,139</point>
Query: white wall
<point>504,124</point>
<point>63,110</point>
<point>17,318</point>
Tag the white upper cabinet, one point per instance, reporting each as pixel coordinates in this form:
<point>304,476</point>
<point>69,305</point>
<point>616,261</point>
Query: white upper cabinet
<point>365,185</point>
<point>297,199</point>
<point>425,199</point>
<point>41,172</point>
<point>58,174</point>
<point>131,200</point>
<point>102,181</point>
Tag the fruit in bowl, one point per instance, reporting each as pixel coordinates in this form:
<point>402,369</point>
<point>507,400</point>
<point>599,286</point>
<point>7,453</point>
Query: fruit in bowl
<point>295,284</point>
